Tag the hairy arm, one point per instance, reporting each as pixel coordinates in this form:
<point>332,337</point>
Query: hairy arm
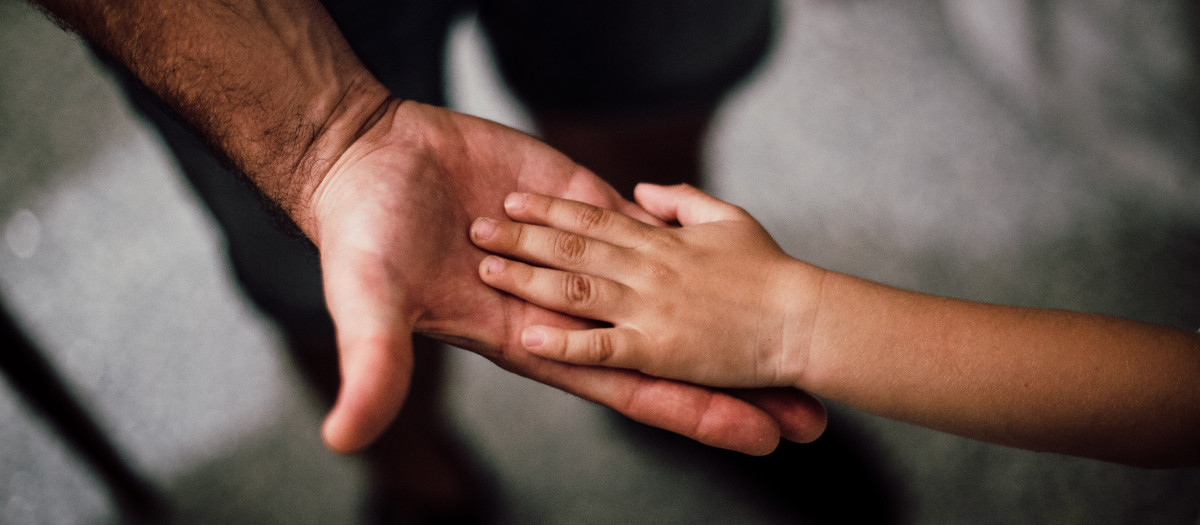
<point>272,85</point>
<point>386,190</point>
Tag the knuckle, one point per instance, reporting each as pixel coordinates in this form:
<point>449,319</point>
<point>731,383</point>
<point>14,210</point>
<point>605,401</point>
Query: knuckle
<point>580,290</point>
<point>569,248</point>
<point>600,348</point>
<point>591,218</point>
<point>522,277</point>
<point>659,240</point>
<point>657,272</point>
<point>518,237</point>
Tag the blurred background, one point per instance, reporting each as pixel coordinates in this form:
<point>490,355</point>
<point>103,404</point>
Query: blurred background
<point>1033,153</point>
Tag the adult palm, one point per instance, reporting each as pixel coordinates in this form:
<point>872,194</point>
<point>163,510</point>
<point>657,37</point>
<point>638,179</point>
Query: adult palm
<point>391,219</point>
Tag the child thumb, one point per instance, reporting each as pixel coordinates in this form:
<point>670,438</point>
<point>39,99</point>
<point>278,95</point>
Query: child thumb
<point>684,204</point>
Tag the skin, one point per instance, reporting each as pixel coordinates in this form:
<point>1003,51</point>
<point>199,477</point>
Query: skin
<point>386,189</point>
<point>717,302</point>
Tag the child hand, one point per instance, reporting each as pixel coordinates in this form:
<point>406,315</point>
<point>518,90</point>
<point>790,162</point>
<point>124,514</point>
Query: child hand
<point>715,302</point>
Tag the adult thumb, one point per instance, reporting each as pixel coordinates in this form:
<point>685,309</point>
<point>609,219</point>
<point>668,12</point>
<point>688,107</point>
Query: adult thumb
<point>374,340</point>
<point>376,373</point>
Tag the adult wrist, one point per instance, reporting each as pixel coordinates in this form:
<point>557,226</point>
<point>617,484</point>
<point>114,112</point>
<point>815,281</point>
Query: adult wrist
<point>271,86</point>
<point>350,113</point>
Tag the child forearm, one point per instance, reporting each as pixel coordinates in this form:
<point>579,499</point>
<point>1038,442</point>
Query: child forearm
<point>1044,380</point>
<point>716,302</point>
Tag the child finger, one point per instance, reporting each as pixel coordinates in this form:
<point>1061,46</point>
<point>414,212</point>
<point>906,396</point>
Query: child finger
<point>576,294</point>
<point>549,247</point>
<point>575,217</point>
<point>611,347</point>
<point>685,204</point>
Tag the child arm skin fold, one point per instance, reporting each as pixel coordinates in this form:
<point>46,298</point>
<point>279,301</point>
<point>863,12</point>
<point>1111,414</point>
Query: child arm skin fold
<point>717,302</point>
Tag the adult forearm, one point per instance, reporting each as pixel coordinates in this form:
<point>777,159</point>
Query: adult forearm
<point>1045,380</point>
<point>271,84</point>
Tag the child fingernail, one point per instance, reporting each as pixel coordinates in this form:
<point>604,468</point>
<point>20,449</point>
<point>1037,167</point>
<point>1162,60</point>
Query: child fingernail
<point>484,228</point>
<point>533,338</point>
<point>492,265</point>
<point>515,201</point>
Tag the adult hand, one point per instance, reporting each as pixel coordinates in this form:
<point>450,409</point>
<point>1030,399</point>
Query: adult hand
<point>391,219</point>
<point>387,191</point>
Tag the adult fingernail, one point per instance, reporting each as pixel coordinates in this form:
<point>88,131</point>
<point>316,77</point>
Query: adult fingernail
<point>484,228</point>
<point>515,201</point>
<point>493,265</point>
<point>532,338</point>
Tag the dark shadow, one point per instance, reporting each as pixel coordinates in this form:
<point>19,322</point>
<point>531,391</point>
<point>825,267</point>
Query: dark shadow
<point>839,478</point>
<point>33,377</point>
